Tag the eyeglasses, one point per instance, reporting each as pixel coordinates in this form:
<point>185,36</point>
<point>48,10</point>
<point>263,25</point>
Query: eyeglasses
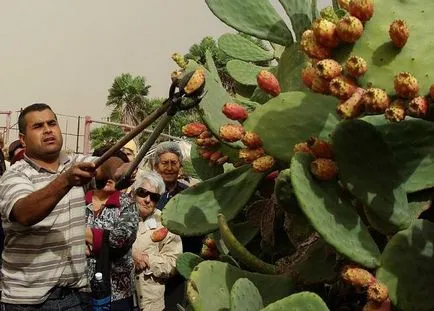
<point>143,193</point>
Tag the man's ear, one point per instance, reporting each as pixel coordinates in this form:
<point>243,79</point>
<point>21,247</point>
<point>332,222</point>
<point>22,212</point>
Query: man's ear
<point>22,136</point>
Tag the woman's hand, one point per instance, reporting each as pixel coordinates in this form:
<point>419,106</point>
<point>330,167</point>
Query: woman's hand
<point>141,260</point>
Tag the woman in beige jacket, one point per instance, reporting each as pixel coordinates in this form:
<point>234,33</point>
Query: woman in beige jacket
<point>155,249</point>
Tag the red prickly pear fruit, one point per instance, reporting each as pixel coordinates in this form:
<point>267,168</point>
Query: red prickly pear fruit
<point>376,100</point>
<point>206,154</point>
<point>324,169</point>
<point>373,306</point>
<point>301,147</point>
<point>418,107</point>
<point>209,253</point>
<point>399,33</point>
<point>377,292</point>
<point>231,132</point>
<point>328,69</point>
<point>222,160</point>
<point>396,111</point>
<point>349,29</point>
<point>251,140</point>
<point>325,33</point>
<point>210,242</point>
<point>342,87</point>
<point>159,234</point>
<point>193,129</point>
<point>357,277</point>
<point>312,47</point>
<point>250,155</point>
<point>362,9</point>
<point>344,4</point>
<point>263,164</point>
<point>215,156</point>
<point>207,142</point>
<point>308,74</point>
<point>272,176</point>
<point>320,148</point>
<point>406,85</point>
<point>352,107</point>
<point>356,66</point>
<point>268,83</point>
<point>235,111</point>
<point>320,85</point>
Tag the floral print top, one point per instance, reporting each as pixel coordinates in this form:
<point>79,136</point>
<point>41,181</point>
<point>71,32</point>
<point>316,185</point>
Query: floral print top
<point>120,217</point>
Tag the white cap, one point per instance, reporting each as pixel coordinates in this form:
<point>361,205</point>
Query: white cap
<point>98,276</point>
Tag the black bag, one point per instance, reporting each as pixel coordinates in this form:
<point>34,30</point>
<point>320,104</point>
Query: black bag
<point>103,262</point>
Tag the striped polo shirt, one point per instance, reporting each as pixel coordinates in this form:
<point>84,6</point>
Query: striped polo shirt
<point>50,253</point>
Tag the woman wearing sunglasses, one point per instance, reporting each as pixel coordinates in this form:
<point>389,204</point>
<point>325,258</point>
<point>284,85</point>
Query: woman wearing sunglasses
<point>155,249</point>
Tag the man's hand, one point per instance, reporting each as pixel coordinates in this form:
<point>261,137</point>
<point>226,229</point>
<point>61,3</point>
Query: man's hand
<point>80,174</point>
<point>89,241</point>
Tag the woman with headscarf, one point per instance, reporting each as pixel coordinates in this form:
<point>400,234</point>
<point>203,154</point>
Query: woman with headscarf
<point>156,249</point>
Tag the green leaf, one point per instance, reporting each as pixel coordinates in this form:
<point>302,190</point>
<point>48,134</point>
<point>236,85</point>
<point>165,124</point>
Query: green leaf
<point>369,171</point>
<point>300,13</point>
<point>194,210</point>
<point>243,72</point>
<point>212,281</point>
<point>211,66</point>
<point>304,301</point>
<point>289,70</point>
<point>241,48</point>
<point>291,118</point>
<point>201,166</point>
<point>412,144</point>
<point>407,267</point>
<point>384,60</point>
<point>245,296</point>
<point>332,214</point>
<point>254,17</point>
<point>186,262</point>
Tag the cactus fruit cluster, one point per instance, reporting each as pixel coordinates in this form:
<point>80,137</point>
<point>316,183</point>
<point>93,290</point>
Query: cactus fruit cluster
<point>325,197</point>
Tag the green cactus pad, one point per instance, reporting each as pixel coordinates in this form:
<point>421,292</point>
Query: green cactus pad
<point>211,282</point>
<point>412,145</point>
<point>243,72</point>
<point>194,210</point>
<point>304,301</point>
<point>210,107</point>
<point>228,259</point>
<point>283,188</point>
<point>368,170</point>
<point>301,13</point>
<point>254,17</point>
<point>383,58</point>
<point>291,118</point>
<point>212,67</point>
<point>407,267</point>
<point>316,265</point>
<point>250,105</point>
<point>289,69</point>
<point>186,262</point>
<point>419,202</point>
<point>202,167</point>
<point>237,46</point>
<point>245,296</point>
<point>332,214</point>
<point>237,249</point>
<point>243,231</point>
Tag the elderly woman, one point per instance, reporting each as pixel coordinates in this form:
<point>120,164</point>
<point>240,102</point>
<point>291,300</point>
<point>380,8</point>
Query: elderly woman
<point>155,249</point>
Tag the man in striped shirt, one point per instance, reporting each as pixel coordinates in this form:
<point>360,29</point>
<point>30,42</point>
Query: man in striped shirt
<point>43,215</point>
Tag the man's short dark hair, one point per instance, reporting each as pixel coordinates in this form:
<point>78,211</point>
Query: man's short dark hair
<point>28,109</point>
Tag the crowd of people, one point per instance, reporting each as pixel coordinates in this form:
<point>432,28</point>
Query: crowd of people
<point>61,216</point>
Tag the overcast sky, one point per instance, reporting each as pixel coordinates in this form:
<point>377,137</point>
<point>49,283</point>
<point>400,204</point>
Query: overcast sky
<point>66,53</point>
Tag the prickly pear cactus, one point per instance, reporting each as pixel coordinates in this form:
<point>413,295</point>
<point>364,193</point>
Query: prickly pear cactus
<point>331,159</point>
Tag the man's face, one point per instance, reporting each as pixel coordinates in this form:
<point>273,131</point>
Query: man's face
<point>129,153</point>
<point>42,135</point>
<point>168,167</point>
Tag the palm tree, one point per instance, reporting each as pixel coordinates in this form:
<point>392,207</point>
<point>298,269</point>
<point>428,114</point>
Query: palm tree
<point>127,98</point>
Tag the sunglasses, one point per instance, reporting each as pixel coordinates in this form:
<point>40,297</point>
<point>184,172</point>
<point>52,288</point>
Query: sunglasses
<point>143,193</point>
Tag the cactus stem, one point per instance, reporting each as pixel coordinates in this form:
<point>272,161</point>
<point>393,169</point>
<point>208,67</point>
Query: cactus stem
<point>240,252</point>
